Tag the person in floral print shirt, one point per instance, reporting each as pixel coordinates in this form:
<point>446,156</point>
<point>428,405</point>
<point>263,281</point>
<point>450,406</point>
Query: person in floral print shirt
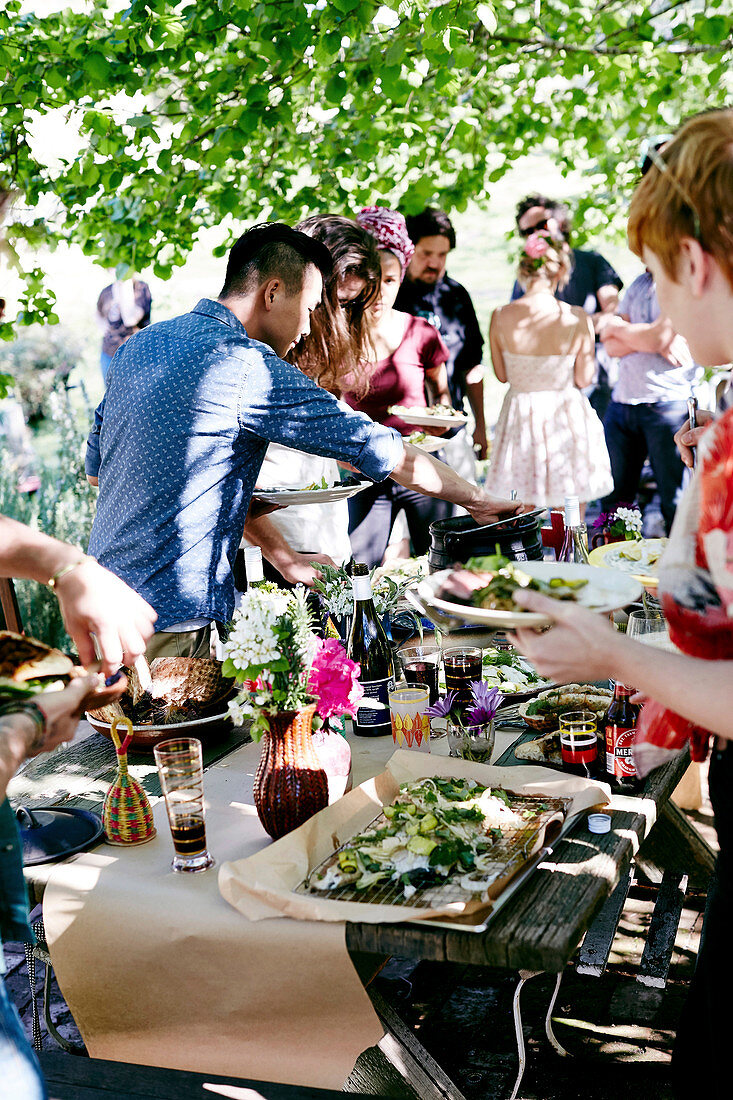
<point>681,224</point>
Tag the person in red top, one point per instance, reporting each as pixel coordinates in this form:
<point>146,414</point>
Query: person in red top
<point>407,367</point>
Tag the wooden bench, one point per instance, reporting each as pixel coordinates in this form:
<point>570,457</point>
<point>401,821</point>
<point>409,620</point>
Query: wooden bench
<point>70,1078</point>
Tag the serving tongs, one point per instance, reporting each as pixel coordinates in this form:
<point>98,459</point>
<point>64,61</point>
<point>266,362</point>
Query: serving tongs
<point>508,522</point>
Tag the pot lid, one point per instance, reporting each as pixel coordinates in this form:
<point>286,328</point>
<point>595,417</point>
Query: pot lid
<point>56,832</point>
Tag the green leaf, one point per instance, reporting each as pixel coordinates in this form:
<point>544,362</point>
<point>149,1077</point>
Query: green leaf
<point>714,30</point>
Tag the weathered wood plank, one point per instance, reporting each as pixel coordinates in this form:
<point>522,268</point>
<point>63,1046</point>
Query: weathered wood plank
<point>69,1078</point>
<point>596,947</point>
<point>660,940</point>
<point>675,845</point>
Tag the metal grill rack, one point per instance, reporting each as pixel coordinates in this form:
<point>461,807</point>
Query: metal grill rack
<point>508,855</point>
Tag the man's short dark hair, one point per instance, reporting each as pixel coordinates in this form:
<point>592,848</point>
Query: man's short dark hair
<point>430,223</point>
<point>559,211</point>
<point>273,250</point>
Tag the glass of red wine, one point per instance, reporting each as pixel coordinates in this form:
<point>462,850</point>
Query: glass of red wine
<point>420,666</point>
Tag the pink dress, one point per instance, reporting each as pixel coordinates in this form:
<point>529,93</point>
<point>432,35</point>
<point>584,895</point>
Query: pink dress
<point>548,441</point>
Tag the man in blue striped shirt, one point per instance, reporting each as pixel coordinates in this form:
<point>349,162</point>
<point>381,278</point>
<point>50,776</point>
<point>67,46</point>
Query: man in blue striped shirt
<point>190,407</point>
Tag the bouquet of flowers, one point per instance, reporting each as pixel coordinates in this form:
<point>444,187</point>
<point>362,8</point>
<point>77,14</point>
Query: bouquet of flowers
<point>624,523</point>
<point>272,652</point>
<point>470,731</point>
<point>486,702</point>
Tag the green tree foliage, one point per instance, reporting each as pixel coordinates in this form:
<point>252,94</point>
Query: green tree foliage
<point>196,113</point>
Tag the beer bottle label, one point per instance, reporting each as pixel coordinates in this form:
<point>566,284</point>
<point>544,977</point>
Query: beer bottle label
<point>620,752</point>
<point>373,711</point>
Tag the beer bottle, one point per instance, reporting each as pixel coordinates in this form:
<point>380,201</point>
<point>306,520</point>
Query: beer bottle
<point>369,646</point>
<point>620,726</point>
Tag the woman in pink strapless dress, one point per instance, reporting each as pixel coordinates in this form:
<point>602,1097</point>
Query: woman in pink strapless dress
<point>548,441</point>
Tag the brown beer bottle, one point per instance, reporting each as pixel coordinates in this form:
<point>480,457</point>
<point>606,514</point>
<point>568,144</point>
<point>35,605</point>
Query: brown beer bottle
<point>620,727</point>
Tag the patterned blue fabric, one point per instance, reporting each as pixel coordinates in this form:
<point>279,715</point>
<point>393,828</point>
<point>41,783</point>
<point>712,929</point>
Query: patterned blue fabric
<point>178,442</point>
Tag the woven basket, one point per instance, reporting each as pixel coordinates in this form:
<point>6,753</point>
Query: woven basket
<point>128,818</point>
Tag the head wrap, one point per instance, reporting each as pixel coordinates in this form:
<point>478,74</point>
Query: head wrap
<point>389,229</point>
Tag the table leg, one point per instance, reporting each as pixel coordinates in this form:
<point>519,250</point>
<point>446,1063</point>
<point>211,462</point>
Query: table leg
<point>524,976</point>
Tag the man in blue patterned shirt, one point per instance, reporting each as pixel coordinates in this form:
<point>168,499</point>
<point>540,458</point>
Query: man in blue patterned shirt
<point>190,407</point>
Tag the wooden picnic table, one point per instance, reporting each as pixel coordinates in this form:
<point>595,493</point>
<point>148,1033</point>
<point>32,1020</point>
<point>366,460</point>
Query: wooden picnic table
<point>537,930</point>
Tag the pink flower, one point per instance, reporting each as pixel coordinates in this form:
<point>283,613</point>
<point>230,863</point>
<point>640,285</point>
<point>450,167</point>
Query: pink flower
<point>536,245</point>
<point>333,680</point>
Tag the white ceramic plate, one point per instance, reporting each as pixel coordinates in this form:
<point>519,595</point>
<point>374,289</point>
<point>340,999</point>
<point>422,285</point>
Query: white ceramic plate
<point>644,569</point>
<point>430,443</point>
<point>606,591</point>
<point>424,419</point>
<point>310,496</point>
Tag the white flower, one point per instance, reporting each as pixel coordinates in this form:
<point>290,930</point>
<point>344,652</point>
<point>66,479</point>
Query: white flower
<point>252,640</point>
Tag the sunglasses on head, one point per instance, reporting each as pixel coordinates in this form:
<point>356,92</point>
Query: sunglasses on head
<point>654,155</point>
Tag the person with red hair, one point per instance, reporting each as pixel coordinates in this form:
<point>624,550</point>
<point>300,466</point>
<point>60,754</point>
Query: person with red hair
<point>681,225</point>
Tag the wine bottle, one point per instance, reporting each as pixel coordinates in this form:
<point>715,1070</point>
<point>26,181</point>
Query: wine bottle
<point>575,543</point>
<point>620,729</point>
<point>369,646</point>
<point>253,566</point>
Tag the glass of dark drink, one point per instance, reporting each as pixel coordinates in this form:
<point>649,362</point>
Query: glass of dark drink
<point>462,668</point>
<point>579,744</point>
<point>181,771</point>
<point>420,666</point>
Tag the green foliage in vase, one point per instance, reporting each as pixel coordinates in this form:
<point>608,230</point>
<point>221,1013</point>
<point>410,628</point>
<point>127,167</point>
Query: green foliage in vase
<point>63,507</point>
<point>215,112</point>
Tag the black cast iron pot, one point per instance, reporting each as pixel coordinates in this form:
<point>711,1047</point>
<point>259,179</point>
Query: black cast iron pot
<point>458,539</point>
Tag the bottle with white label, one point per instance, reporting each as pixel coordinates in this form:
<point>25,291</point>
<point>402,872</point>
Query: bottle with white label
<point>369,646</point>
<point>253,566</point>
<point>575,543</point>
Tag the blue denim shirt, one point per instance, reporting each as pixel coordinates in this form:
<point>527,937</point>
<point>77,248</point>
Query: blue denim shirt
<point>178,442</point>
<point>13,897</point>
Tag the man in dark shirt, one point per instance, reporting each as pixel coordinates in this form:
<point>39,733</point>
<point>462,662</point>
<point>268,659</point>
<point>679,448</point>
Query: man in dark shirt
<point>593,283</point>
<point>428,292</point>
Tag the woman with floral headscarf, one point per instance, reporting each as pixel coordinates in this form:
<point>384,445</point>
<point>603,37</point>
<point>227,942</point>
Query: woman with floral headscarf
<point>407,367</point>
<point>548,442</point>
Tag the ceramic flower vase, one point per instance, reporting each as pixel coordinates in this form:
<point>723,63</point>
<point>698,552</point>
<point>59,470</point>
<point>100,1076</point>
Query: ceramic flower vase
<point>290,785</point>
<point>334,753</point>
<point>604,537</point>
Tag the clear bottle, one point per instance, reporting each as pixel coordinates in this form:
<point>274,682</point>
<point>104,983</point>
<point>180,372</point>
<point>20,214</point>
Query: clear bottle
<point>253,566</point>
<point>575,543</point>
<point>369,646</point>
<point>620,730</point>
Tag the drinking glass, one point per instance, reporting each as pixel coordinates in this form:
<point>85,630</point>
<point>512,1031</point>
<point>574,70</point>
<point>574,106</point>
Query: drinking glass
<point>181,771</point>
<point>650,627</point>
<point>420,666</point>
<point>462,666</point>
<point>410,722</point>
<point>475,743</point>
<point>579,741</point>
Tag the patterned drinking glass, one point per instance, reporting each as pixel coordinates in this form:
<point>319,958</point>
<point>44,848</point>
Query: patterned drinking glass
<point>181,771</point>
<point>410,722</point>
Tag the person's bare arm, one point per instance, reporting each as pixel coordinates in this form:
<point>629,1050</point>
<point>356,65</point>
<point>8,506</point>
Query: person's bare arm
<point>94,602</point>
<point>497,358</point>
<point>295,567</point>
<point>425,474</point>
<point>583,645</point>
<point>19,733</point>
<point>607,298</point>
<point>621,336</point>
<point>437,385</point>
<point>93,481</point>
<point>585,357</point>
<point>474,384</point>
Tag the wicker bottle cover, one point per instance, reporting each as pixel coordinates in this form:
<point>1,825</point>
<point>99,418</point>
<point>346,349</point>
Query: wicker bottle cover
<point>128,818</point>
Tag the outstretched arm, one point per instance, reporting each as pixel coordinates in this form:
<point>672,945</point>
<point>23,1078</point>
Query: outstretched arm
<point>94,603</point>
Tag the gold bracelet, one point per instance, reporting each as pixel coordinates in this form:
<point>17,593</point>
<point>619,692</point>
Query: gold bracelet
<point>62,572</point>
